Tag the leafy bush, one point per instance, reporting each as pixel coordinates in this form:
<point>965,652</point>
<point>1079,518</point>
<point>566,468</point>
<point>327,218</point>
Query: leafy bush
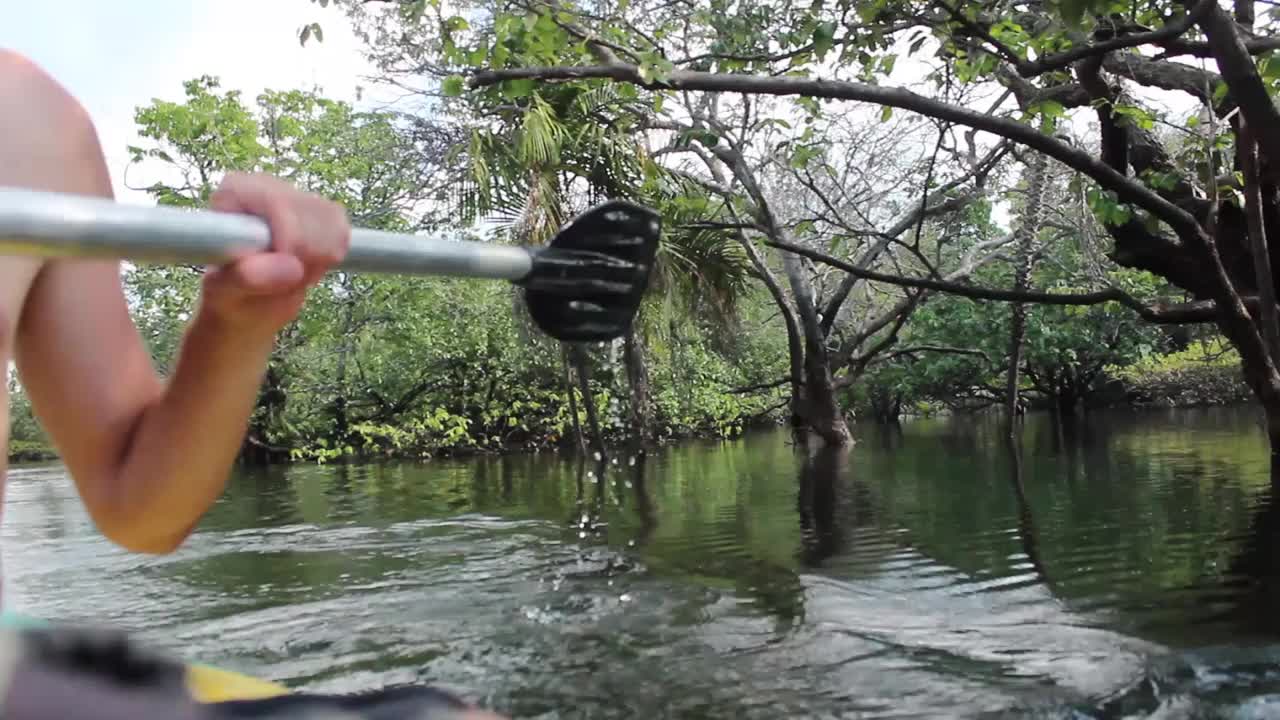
<point>1206,373</point>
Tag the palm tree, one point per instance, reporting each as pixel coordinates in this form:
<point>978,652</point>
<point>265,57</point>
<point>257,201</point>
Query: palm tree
<point>569,147</point>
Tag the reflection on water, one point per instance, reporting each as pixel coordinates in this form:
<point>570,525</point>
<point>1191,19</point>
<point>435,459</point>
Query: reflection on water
<point>1122,564</point>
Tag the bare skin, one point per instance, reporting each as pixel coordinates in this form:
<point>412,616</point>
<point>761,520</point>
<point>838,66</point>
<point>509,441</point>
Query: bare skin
<point>148,456</point>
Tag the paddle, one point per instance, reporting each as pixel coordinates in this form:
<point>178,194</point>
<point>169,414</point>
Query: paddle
<point>584,286</point>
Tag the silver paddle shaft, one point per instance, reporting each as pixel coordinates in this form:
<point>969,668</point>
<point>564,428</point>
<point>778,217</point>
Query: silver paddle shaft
<point>61,225</point>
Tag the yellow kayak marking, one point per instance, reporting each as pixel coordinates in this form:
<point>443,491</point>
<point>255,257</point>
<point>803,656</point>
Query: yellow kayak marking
<point>206,684</point>
<point>210,685</point>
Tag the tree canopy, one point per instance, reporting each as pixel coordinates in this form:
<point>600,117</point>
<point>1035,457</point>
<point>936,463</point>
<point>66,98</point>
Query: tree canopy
<point>766,109</point>
<point>887,206</point>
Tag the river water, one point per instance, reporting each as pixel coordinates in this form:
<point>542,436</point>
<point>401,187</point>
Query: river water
<point>1124,565</point>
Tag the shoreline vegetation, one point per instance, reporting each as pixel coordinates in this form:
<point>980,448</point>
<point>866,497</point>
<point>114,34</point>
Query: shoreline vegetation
<point>1204,374</point>
<point>848,257</point>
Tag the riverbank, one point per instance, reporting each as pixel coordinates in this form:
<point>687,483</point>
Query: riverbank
<point>36,447</point>
<point>1204,375</point>
<point>31,451</point>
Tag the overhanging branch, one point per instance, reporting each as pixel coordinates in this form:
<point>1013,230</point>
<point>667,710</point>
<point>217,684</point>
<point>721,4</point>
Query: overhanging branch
<point>1193,312</point>
<point>1128,189</point>
<point>1063,59</point>
<point>1253,46</point>
<point>939,349</point>
<point>1166,75</point>
<point>758,387</point>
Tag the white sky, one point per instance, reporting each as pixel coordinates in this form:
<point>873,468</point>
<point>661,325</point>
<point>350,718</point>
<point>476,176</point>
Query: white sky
<point>116,55</point>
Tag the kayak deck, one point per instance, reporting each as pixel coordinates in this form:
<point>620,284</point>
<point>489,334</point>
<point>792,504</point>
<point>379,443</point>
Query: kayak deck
<point>48,671</point>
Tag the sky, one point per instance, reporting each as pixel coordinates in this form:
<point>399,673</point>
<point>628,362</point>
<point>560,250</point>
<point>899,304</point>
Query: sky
<point>115,55</point>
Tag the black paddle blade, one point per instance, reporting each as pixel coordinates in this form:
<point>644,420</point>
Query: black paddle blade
<point>587,284</point>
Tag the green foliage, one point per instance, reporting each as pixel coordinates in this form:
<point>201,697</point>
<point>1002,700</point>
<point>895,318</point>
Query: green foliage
<point>386,365</point>
<point>394,366</point>
<point>27,440</point>
<point>1067,350</point>
<point>1205,373</point>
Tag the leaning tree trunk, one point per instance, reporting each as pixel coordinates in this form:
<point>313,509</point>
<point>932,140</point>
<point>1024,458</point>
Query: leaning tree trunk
<point>1028,228</point>
<point>822,411</point>
<point>1257,233</point>
<point>795,344</point>
<point>819,407</point>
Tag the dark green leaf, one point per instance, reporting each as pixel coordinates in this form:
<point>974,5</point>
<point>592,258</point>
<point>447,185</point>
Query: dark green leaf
<point>824,38</point>
<point>518,88</point>
<point>452,86</point>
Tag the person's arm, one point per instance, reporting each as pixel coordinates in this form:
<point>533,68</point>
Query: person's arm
<point>149,457</point>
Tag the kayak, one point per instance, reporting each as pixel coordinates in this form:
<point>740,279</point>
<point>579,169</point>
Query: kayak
<point>208,684</point>
<point>51,671</point>
<point>205,683</point>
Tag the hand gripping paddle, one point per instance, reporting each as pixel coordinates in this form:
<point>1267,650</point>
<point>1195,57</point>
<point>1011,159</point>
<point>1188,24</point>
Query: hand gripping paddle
<point>585,286</point>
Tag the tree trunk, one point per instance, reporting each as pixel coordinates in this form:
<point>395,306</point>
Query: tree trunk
<point>341,423</point>
<point>821,409</point>
<point>886,406</point>
<point>1017,330</point>
<point>795,343</point>
<point>1254,368</point>
<point>1029,227</point>
<point>579,357</point>
<point>578,441</point>
<point>272,398</point>
<point>1256,224</point>
<point>638,379</point>
<point>1068,399</point>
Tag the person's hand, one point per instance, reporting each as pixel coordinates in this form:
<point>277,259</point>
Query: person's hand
<point>261,292</point>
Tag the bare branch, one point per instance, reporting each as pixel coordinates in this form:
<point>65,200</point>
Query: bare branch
<point>915,214</point>
<point>1126,188</point>
<point>758,387</point>
<point>944,349</point>
<point>1202,311</point>
<point>858,364</point>
<point>1254,46</point>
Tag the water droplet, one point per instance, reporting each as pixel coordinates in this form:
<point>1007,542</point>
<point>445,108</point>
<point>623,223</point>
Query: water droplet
<point>624,598</point>
<point>597,455</point>
<point>628,483</point>
<point>585,520</point>
<point>582,535</point>
<point>615,461</point>
<point>631,461</point>
<point>591,475</point>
